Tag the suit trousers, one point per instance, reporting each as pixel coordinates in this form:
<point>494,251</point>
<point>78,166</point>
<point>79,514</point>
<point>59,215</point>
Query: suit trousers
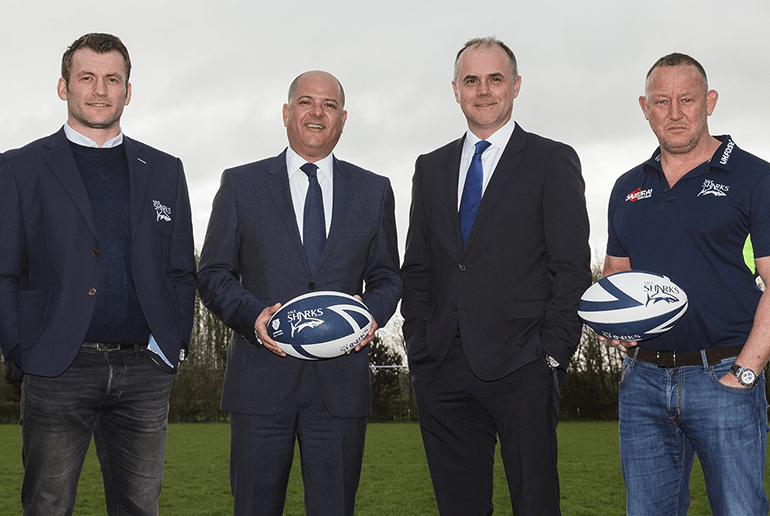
<point>461,418</point>
<point>262,450</point>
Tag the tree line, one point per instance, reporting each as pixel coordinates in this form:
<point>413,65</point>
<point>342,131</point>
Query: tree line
<point>591,392</point>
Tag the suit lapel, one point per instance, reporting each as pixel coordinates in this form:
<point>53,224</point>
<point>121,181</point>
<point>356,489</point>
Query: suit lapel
<point>59,157</point>
<point>443,186</point>
<point>450,196</point>
<point>278,184</point>
<point>138,180</point>
<point>506,167</point>
<point>341,199</point>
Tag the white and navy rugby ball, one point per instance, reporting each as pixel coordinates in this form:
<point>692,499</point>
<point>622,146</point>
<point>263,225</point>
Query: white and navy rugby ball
<point>320,325</point>
<point>632,305</point>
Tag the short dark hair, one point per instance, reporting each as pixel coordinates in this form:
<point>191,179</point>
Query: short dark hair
<point>677,59</point>
<point>293,87</point>
<point>99,43</point>
<point>488,42</point>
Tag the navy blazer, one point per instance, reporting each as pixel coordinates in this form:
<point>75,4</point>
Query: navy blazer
<point>253,258</point>
<point>50,265</point>
<point>513,290</point>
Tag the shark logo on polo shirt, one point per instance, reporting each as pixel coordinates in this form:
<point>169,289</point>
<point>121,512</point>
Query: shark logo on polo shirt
<point>639,194</point>
<point>711,188</point>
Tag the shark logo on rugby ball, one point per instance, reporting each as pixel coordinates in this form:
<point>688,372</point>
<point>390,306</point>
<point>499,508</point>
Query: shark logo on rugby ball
<point>661,293</point>
<point>305,319</point>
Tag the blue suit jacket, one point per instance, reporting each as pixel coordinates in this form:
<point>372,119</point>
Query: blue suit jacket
<point>513,290</point>
<point>253,258</point>
<point>49,260</point>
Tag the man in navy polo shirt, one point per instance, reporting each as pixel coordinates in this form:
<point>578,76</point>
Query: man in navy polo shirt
<point>698,211</point>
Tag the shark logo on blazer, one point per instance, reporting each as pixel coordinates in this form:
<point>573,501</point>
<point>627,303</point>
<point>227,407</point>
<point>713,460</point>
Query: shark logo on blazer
<point>164,212</point>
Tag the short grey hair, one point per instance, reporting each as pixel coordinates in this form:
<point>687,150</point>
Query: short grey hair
<point>488,42</point>
<point>677,59</point>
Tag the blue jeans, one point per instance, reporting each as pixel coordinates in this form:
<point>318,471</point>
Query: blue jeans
<point>118,397</point>
<point>669,415</point>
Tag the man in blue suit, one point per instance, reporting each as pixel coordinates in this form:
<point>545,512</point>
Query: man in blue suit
<point>97,290</point>
<point>261,250</point>
<point>496,259</point>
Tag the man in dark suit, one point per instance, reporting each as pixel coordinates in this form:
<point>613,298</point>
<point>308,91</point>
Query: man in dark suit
<point>496,259</point>
<point>97,290</point>
<point>261,251</point>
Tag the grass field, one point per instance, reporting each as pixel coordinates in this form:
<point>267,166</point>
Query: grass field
<point>394,480</point>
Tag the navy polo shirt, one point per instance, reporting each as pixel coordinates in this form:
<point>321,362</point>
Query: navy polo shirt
<point>696,234</point>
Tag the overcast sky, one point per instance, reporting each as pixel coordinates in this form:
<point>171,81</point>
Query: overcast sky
<point>210,78</point>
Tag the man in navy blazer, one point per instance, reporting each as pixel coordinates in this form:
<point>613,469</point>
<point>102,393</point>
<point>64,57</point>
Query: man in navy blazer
<point>254,258</point>
<point>490,295</point>
<point>97,290</point>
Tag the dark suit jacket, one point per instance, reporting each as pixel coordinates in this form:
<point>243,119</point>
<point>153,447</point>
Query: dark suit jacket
<point>49,260</point>
<point>253,258</point>
<point>513,290</point>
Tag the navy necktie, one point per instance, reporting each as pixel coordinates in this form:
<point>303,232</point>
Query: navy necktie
<point>313,222</point>
<point>469,203</point>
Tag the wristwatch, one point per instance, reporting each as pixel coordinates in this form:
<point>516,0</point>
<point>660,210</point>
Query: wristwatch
<point>745,376</point>
<point>552,363</point>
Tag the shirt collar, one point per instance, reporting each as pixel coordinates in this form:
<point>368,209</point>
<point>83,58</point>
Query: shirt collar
<point>84,141</point>
<point>720,159</point>
<point>499,138</point>
<point>294,161</point>
<point>723,156</point>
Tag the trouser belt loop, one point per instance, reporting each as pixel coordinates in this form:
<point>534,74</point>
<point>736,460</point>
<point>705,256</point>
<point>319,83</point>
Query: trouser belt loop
<point>705,359</point>
<point>633,358</point>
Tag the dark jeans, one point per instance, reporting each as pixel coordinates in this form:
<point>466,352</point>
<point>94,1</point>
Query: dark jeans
<point>118,397</point>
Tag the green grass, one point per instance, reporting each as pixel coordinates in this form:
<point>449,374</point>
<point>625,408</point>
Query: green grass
<point>394,480</point>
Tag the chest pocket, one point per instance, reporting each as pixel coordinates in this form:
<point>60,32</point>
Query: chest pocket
<point>162,215</point>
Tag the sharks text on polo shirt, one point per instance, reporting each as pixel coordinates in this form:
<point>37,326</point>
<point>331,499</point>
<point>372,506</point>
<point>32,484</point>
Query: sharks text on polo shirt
<point>711,188</point>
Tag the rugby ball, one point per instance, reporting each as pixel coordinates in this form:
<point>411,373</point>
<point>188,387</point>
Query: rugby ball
<point>320,325</point>
<point>632,305</point>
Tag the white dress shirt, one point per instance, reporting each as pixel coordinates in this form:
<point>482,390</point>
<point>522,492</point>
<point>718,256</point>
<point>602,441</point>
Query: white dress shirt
<point>84,141</point>
<point>298,183</point>
<point>489,159</point>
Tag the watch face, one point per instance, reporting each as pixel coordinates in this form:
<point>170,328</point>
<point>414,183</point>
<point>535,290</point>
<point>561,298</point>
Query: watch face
<point>747,377</point>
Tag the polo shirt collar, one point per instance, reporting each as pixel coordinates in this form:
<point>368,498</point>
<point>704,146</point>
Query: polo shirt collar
<point>720,159</point>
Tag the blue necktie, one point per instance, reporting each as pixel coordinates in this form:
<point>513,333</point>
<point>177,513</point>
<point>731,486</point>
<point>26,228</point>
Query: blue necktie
<point>469,203</point>
<point>313,222</point>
